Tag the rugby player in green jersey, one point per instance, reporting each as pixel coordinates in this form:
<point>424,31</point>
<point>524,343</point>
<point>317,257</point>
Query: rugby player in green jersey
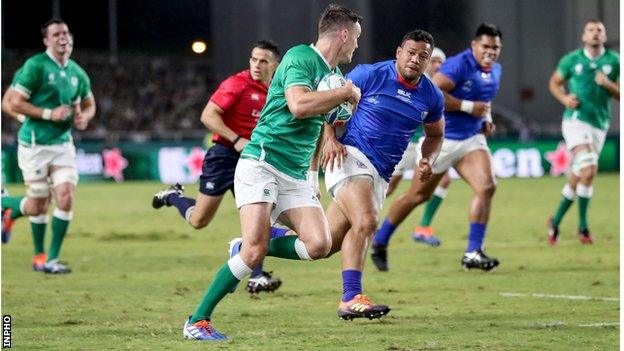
<point>53,93</point>
<point>592,76</point>
<point>270,179</point>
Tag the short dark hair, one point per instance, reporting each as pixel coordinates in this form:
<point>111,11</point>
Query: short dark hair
<point>593,20</point>
<point>267,45</point>
<point>489,29</point>
<point>419,35</point>
<point>335,17</point>
<point>44,28</point>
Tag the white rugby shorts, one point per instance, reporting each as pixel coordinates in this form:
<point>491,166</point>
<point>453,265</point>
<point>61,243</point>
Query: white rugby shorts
<point>35,160</point>
<point>408,161</point>
<point>453,150</point>
<point>577,133</point>
<point>356,164</point>
<point>257,181</point>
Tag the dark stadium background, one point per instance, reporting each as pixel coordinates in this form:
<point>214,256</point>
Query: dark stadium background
<point>149,85</point>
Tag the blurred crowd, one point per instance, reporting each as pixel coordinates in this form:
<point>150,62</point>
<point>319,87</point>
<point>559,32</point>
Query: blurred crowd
<point>144,97</point>
<point>158,94</point>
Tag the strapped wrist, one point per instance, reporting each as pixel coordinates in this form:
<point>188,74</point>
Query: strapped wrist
<point>46,114</point>
<point>467,106</point>
<point>238,137</point>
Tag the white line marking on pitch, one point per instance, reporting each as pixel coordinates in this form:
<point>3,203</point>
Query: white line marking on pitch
<point>598,325</point>
<point>566,297</point>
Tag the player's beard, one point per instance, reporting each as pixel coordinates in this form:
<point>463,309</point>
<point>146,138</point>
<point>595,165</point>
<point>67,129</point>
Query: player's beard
<point>411,78</point>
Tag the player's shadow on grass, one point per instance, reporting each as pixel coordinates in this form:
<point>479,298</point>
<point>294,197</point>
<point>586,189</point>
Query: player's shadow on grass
<point>151,236</point>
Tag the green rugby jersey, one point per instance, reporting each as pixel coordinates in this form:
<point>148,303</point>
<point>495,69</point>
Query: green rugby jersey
<point>47,84</point>
<point>279,138</point>
<point>417,134</point>
<point>579,72</point>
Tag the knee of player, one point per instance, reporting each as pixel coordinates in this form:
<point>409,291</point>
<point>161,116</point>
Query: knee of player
<point>487,189</point>
<point>254,254</point>
<point>199,223</point>
<point>318,248</point>
<point>587,174</point>
<point>365,225</point>
<point>413,199</point>
<point>65,200</point>
<point>40,208</point>
<point>36,206</point>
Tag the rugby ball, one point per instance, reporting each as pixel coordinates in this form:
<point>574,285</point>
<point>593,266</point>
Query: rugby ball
<point>339,115</point>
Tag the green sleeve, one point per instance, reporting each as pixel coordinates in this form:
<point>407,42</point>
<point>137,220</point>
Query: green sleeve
<point>616,68</point>
<point>564,67</point>
<point>84,90</point>
<point>298,71</point>
<point>27,80</point>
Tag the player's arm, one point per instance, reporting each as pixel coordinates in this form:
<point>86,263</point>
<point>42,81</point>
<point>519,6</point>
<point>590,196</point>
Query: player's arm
<point>19,104</point>
<point>431,146</point>
<point>333,151</point>
<point>478,109</point>
<point>84,111</point>
<point>556,85</point>
<point>304,103</point>
<point>212,118</point>
<point>613,88</point>
<point>312,174</point>
<point>6,107</point>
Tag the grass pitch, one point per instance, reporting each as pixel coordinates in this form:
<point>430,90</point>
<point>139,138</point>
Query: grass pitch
<point>138,274</point>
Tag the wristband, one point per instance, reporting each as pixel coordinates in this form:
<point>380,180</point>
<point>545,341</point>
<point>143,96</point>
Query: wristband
<point>47,114</point>
<point>466,106</point>
<point>488,117</point>
<point>238,137</point>
<point>21,117</point>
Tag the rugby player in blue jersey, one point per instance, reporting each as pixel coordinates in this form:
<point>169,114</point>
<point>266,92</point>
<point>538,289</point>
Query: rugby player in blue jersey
<point>396,99</point>
<point>469,81</point>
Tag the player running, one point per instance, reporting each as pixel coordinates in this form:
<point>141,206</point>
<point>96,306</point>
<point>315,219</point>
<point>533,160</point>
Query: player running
<point>469,81</point>
<point>231,114</point>
<point>270,178</point>
<point>592,75</point>
<point>424,232</point>
<point>53,93</point>
<point>396,99</point>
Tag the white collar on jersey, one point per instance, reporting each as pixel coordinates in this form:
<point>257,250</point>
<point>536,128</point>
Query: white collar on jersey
<point>55,61</point>
<point>587,54</point>
<point>321,55</point>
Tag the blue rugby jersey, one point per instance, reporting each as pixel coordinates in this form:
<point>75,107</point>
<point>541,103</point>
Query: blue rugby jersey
<point>389,113</point>
<point>471,83</point>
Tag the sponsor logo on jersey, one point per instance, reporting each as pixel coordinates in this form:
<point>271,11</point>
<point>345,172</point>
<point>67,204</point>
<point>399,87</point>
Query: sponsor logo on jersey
<point>593,65</point>
<point>467,86</point>
<point>404,95</point>
<point>316,81</point>
<point>578,68</point>
<point>486,75</point>
<point>51,78</point>
<point>360,164</point>
<point>423,115</point>
<point>255,113</point>
<point>267,192</point>
<point>372,100</point>
<point>255,96</point>
<point>74,81</point>
<point>63,74</point>
<point>209,185</point>
<point>607,69</point>
<point>407,94</point>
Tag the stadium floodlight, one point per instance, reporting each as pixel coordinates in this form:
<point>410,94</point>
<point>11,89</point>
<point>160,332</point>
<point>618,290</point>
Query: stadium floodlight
<point>198,46</point>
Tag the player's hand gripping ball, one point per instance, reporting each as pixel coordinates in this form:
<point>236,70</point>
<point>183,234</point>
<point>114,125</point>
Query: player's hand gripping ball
<point>340,114</point>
